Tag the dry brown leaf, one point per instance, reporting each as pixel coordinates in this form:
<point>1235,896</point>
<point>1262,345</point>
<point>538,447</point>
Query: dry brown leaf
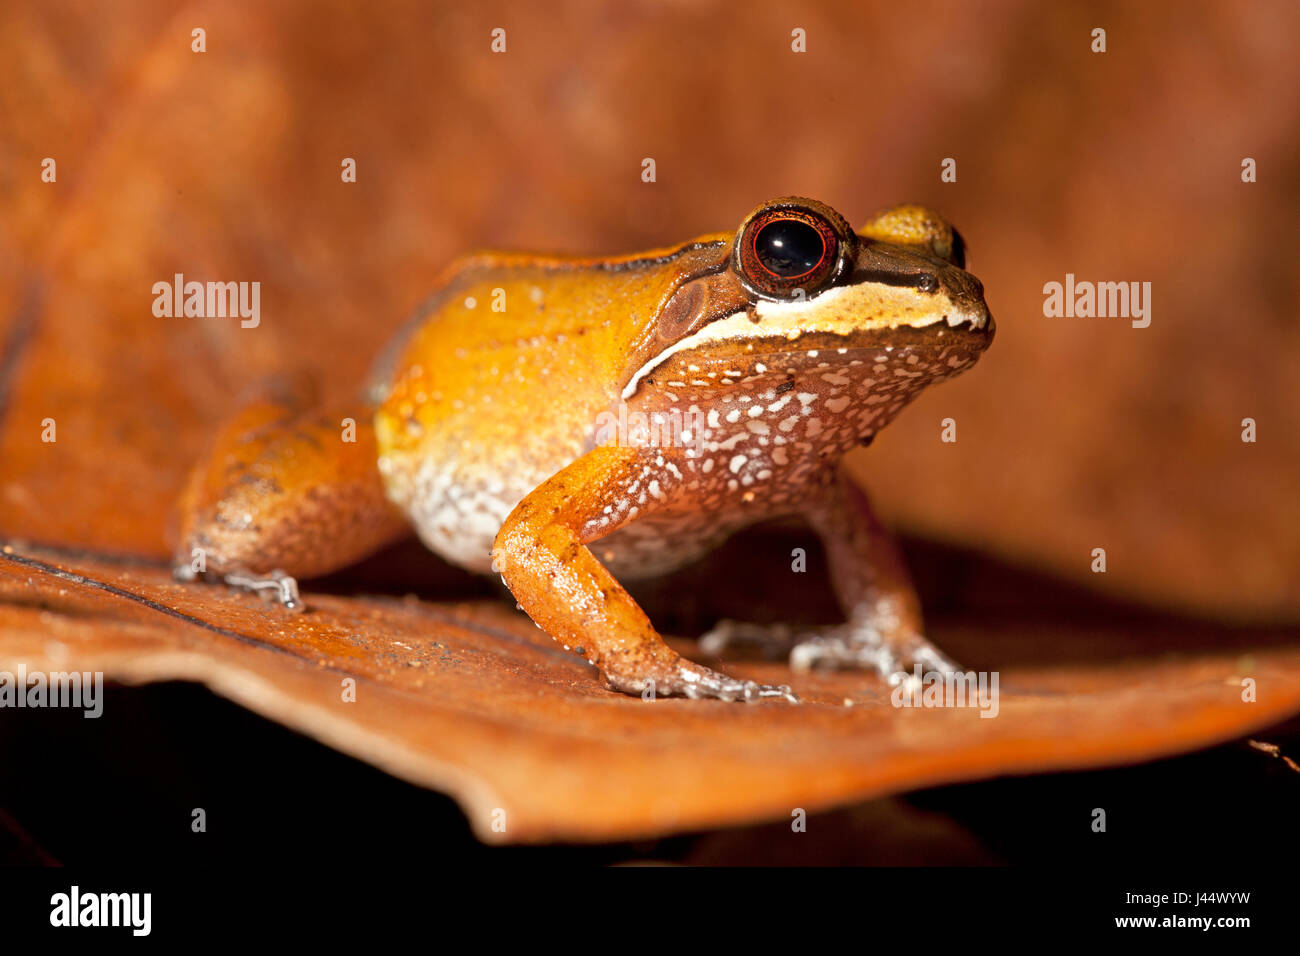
<point>470,698</point>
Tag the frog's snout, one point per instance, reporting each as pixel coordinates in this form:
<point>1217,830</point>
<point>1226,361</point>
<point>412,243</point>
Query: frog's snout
<point>973,314</point>
<point>966,295</point>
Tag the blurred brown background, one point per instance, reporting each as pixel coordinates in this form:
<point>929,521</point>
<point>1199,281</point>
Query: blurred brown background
<point>1073,433</point>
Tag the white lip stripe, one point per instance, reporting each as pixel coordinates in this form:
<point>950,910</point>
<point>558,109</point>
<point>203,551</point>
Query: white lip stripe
<point>787,316</point>
<point>686,343</point>
<point>790,310</point>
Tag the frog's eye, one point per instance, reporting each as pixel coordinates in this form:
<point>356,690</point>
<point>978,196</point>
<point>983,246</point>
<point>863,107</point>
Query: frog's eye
<point>785,248</point>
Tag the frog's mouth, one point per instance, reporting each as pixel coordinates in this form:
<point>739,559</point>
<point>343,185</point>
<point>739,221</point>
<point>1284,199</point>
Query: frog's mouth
<point>925,353</point>
<point>873,343</point>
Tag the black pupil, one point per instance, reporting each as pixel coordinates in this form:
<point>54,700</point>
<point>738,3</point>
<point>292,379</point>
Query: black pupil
<point>789,247</point>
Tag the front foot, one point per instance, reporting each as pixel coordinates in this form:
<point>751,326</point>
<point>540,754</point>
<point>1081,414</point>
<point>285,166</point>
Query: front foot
<point>675,676</point>
<point>894,657</point>
<point>847,647</point>
<point>771,641</point>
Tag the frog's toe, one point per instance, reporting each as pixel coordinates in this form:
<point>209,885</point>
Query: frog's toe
<point>773,641</point>
<point>665,673</point>
<point>708,684</point>
<point>754,691</point>
<point>275,585</point>
<point>867,649</point>
<point>930,658</point>
<point>836,651</point>
<point>702,683</point>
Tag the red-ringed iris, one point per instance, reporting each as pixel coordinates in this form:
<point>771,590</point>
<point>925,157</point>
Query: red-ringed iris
<point>787,248</point>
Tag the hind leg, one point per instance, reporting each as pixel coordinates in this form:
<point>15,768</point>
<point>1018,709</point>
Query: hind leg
<point>285,494</point>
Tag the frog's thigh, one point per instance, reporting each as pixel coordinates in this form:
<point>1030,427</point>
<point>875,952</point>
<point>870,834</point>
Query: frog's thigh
<point>541,552</point>
<point>286,491</point>
<point>883,630</point>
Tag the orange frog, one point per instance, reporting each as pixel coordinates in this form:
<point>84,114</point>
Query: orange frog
<point>569,422</point>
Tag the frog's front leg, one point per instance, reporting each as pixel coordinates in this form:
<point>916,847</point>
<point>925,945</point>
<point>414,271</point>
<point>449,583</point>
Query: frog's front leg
<point>883,630</point>
<point>542,554</point>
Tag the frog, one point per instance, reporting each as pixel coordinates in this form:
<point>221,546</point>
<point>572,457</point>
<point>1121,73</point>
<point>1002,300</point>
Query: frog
<point>570,423</point>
